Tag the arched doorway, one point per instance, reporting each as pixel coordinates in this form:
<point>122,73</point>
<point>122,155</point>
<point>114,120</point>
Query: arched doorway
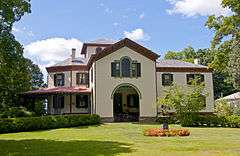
<point>126,99</point>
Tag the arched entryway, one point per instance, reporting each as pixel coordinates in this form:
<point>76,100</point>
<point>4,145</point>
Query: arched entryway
<point>126,99</point>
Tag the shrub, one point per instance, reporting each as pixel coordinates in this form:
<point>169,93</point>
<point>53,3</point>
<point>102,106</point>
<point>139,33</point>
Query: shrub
<point>14,112</point>
<point>8,125</point>
<point>232,121</point>
<point>222,108</point>
<point>171,132</point>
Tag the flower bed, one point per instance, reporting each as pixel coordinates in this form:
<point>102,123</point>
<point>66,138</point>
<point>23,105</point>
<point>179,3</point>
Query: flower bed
<point>170,132</point>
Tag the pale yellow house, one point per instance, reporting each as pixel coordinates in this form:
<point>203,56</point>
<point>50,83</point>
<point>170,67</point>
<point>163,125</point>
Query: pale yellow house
<point>118,80</point>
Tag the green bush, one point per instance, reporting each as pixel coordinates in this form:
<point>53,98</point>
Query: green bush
<point>13,112</point>
<point>232,121</point>
<point>8,125</point>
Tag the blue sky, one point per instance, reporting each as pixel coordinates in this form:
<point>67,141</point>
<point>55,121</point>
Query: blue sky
<point>160,25</point>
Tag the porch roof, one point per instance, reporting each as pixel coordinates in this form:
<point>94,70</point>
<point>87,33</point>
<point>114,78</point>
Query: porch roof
<point>60,90</point>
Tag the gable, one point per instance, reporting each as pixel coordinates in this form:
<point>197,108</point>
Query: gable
<point>130,44</point>
<point>124,43</point>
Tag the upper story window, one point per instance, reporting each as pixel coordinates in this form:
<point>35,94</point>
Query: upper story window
<point>125,68</point>
<point>59,79</point>
<point>167,79</point>
<point>198,77</point>
<point>82,78</point>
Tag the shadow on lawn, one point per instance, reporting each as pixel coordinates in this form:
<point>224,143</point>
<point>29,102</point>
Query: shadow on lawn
<point>50,147</point>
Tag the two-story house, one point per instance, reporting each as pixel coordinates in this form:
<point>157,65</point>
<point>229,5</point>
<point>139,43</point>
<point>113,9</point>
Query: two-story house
<point>118,81</point>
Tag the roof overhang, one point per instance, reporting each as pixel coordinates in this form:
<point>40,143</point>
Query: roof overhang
<point>58,90</point>
<point>66,68</point>
<point>184,69</point>
<point>118,45</point>
<point>85,45</point>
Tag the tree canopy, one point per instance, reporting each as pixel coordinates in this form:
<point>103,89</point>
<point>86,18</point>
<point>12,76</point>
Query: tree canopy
<point>227,40</point>
<point>17,74</point>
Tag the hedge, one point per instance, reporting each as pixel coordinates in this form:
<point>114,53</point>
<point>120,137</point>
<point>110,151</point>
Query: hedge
<point>232,121</point>
<point>9,125</point>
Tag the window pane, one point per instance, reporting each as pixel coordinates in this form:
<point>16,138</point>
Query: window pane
<point>134,70</point>
<point>125,67</point>
<point>167,79</point>
<point>82,101</point>
<point>59,79</point>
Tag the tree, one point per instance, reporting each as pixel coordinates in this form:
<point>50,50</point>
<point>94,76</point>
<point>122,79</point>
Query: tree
<point>187,54</point>
<point>214,59</point>
<point>14,75</point>
<point>227,39</point>
<point>187,103</point>
<point>11,12</point>
<point>36,75</point>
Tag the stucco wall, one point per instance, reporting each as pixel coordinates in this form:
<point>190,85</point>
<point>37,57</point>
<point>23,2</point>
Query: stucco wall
<point>67,78</point>
<point>180,79</point>
<point>66,108</point>
<point>105,84</point>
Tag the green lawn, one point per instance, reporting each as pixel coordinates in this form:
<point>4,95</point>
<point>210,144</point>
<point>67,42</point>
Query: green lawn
<point>120,139</point>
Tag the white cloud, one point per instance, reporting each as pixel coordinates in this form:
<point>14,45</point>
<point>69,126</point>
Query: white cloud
<point>142,15</point>
<point>23,31</point>
<point>137,35</point>
<point>49,51</point>
<point>197,7</point>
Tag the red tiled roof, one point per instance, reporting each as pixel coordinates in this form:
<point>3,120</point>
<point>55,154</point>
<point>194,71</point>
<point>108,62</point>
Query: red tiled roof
<point>60,90</point>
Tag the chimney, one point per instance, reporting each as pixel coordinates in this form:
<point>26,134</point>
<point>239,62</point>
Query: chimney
<point>197,61</point>
<point>73,53</point>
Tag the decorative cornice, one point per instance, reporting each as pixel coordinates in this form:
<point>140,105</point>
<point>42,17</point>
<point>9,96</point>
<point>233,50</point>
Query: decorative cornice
<point>66,68</point>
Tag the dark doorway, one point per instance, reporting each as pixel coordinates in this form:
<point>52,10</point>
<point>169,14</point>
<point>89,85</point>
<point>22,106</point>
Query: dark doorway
<point>117,103</point>
<point>126,104</point>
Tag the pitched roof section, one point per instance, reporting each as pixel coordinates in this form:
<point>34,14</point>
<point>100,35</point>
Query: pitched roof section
<point>97,43</point>
<point>180,66</point>
<point>176,63</point>
<point>130,44</point>
<point>69,61</point>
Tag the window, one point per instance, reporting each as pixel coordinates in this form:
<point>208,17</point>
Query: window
<point>198,77</point>
<point>167,79</point>
<point>125,68</point>
<point>125,63</point>
<point>58,101</point>
<point>82,101</point>
<point>132,100</point>
<point>82,78</point>
<point>59,79</point>
<point>115,69</point>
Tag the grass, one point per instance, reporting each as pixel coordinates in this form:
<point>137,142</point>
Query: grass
<point>120,139</point>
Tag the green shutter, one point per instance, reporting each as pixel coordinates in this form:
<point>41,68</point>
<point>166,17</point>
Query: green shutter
<point>62,101</point>
<point>55,80</point>
<point>113,69</point>
<point>138,69</point>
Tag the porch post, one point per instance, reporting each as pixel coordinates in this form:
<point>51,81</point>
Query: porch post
<point>71,103</point>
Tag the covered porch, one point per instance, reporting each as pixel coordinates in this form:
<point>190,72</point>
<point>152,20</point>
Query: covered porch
<point>63,100</point>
